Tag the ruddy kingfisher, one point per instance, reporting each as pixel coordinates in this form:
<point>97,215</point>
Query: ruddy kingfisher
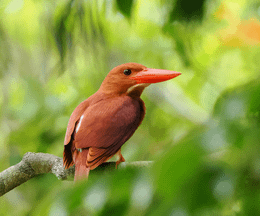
<point>101,124</point>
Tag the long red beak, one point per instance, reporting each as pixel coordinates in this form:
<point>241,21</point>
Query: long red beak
<point>150,75</point>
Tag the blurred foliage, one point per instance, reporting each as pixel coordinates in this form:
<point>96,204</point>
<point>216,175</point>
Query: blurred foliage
<point>187,10</point>
<point>201,129</point>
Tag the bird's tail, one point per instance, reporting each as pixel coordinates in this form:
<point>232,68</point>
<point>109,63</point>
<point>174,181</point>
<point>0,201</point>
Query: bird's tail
<point>81,169</point>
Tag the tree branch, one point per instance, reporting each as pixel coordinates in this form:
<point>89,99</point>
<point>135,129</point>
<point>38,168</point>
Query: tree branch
<point>34,164</point>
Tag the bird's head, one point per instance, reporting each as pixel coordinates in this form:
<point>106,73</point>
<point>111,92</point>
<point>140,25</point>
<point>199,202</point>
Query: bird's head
<point>132,78</point>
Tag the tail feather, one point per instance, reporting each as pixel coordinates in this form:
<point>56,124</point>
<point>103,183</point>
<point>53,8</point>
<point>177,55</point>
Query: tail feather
<point>81,172</point>
<point>81,169</point>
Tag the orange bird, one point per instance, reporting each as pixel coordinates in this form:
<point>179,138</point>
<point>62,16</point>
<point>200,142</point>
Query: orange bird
<point>100,125</point>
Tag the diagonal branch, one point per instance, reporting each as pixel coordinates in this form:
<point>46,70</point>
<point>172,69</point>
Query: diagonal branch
<point>34,164</point>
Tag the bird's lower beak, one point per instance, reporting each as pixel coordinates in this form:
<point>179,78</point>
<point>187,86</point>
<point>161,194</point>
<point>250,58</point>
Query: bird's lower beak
<point>149,75</point>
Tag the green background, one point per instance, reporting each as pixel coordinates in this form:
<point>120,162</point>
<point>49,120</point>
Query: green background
<point>201,129</point>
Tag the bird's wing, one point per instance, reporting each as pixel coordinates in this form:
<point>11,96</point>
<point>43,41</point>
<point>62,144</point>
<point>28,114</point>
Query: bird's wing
<point>105,126</point>
<point>74,118</point>
<point>77,113</point>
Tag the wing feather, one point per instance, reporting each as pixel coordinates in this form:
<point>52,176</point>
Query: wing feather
<point>74,118</point>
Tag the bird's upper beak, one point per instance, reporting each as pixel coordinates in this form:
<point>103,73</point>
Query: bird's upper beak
<point>150,75</point>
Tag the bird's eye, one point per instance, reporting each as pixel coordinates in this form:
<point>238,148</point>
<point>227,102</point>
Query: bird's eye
<point>127,72</point>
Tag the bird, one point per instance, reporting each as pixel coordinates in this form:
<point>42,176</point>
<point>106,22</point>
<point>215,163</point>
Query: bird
<point>101,124</point>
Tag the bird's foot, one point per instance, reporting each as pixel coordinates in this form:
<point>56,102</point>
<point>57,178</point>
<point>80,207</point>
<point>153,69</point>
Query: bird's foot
<point>121,159</point>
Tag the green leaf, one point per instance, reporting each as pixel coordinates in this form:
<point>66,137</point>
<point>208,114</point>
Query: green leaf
<point>125,7</point>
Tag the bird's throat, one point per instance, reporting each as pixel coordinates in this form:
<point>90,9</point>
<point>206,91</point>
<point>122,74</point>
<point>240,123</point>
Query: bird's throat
<point>137,89</point>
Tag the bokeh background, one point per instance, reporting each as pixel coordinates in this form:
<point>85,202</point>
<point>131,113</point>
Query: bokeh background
<point>201,129</point>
